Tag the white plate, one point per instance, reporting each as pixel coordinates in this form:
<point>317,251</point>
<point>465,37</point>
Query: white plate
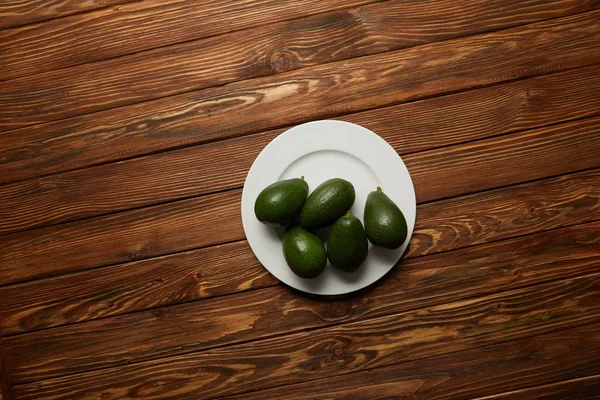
<point>321,150</point>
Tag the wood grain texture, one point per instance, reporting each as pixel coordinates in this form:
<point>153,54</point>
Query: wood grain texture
<point>478,219</point>
<point>139,26</point>
<point>507,366</point>
<point>503,213</point>
<point>21,12</point>
<point>260,51</point>
<point>445,172</point>
<point>419,283</point>
<point>576,389</point>
<point>434,122</point>
<point>124,272</point>
<point>506,160</point>
<point>317,92</point>
<point>5,384</point>
<point>134,235</point>
<point>517,364</point>
<point>134,286</point>
<point>214,219</point>
<point>340,349</point>
<point>439,121</point>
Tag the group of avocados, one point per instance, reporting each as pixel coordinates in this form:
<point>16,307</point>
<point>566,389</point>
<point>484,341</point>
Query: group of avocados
<point>287,203</point>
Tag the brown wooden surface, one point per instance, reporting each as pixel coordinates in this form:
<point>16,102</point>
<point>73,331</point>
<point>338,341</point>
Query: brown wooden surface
<point>22,12</point>
<point>581,388</point>
<point>276,310</point>
<point>488,217</point>
<point>127,128</point>
<point>316,92</point>
<point>507,366</point>
<point>437,173</point>
<point>345,348</point>
<point>138,26</point>
<point>339,35</point>
<point>214,219</point>
<point>5,385</point>
<point>441,121</point>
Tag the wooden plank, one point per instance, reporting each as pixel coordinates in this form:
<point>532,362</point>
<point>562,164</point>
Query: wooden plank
<point>445,172</point>
<point>21,12</point>
<point>260,51</point>
<point>438,121</point>
<point>311,93</point>
<point>215,219</point>
<point>138,26</point>
<point>420,283</point>
<point>338,350</point>
<point>513,365</point>
<point>576,389</point>
<point>170,280</point>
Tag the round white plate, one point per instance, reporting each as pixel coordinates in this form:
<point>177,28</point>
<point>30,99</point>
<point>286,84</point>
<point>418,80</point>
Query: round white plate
<point>321,150</point>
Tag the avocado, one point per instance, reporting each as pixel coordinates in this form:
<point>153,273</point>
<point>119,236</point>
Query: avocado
<point>384,222</point>
<point>280,203</point>
<point>347,245</point>
<point>304,252</point>
<point>328,202</point>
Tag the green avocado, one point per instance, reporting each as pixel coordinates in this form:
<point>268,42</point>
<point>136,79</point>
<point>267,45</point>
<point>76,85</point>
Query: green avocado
<point>347,245</point>
<point>384,222</point>
<point>328,202</point>
<point>280,203</point>
<point>304,252</point>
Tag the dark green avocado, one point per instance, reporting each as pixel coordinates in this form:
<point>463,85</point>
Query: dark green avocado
<point>347,245</point>
<point>304,252</point>
<point>280,203</point>
<point>384,222</point>
<point>328,202</point>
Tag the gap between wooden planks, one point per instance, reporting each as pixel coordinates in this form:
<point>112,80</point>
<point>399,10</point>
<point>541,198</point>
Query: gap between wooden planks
<point>311,93</point>
<point>135,234</point>
<point>223,165</point>
<point>165,281</point>
<point>417,284</point>
<point>341,349</point>
<point>139,26</point>
<point>260,51</point>
<point>507,366</point>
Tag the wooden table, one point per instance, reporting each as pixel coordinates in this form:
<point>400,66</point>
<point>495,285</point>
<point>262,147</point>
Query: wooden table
<point>127,129</point>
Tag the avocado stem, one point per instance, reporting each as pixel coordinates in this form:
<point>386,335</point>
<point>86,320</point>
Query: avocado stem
<point>302,177</point>
<point>379,189</point>
<point>348,214</point>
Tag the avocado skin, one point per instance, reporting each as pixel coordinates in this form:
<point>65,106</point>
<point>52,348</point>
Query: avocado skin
<point>347,245</point>
<point>280,203</point>
<point>384,221</point>
<point>304,252</point>
<point>328,202</point>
